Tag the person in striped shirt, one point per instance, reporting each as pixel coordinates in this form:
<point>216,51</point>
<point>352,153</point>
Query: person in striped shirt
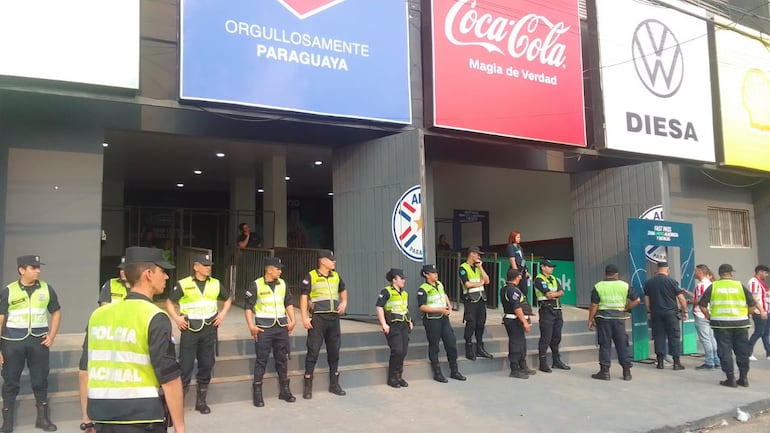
<point>758,289</point>
<point>705,333</point>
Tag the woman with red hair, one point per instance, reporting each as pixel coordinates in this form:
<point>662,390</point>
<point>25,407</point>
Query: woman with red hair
<point>516,258</point>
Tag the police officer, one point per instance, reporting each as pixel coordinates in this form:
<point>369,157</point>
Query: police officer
<point>197,296</point>
<point>516,319</point>
<point>268,301</point>
<point>611,299</point>
<point>666,306</point>
<point>27,338</point>
<point>435,307</point>
<point>393,314</point>
<point>322,301</point>
<point>114,289</point>
<point>473,278</point>
<point>726,304</point>
<point>548,291</point>
<point>133,338</point>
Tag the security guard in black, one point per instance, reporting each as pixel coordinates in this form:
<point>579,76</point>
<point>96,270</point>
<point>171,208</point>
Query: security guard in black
<point>517,323</point>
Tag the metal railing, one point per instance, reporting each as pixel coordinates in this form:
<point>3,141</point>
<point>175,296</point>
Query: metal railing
<point>448,264</point>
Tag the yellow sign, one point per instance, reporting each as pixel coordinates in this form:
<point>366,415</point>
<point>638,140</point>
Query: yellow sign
<point>744,93</point>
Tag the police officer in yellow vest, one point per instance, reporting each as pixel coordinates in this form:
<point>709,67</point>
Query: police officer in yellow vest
<point>393,314</point>
<point>27,338</point>
<point>611,300</point>
<point>129,355</point>
<point>726,304</point>
<point>435,307</point>
<point>323,299</point>
<point>548,291</point>
<point>270,318</point>
<point>115,289</point>
<point>473,278</point>
<point>198,320</point>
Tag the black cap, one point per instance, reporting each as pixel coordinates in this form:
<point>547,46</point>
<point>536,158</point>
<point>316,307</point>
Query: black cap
<point>326,254</point>
<point>429,269</point>
<point>204,259</point>
<point>394,272</point>
<point>476,250</point>
<point>512,274</point>
<point>274,261</point>
<point>122,263</point>
<point>761,268</point>
<point>546,262</point>
<point>147,255</point>
<point>662,265</point>
<point>25,261</point>
<point>726,269</point>
<point>611,269</point>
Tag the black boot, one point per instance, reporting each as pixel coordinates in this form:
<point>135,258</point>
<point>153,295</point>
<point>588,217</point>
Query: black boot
<point>400,379</point>
<point>8,412</point>
<point>558,364</point>
<point>730,381</point>
<point>285,392</point>
<point>256,393</point>
<point>659,364</point>
<point>678,364</point>
<point>544,365</point>
<point>480,351</point>
<point>517,372</point>
<point>603,374</point>
<point>626,373</point>
<point>525,368</point>
<point>334,384</point>
<point>200,399</point>
<point>393,380</point>
<point>438,375</point>
<point>455,372</point>
<point>743,380</point>
<point>470,352</point>
<point>307,387</point>
<point>42,421</point>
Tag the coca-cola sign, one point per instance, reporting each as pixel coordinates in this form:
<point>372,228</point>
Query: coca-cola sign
<point>511,70</point>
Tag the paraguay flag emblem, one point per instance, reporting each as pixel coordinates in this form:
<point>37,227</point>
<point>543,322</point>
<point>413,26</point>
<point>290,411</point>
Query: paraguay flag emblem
<point>407,224</point>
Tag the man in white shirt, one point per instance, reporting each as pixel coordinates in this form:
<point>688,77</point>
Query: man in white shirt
<point>758,289</point>
<point>705,333</point>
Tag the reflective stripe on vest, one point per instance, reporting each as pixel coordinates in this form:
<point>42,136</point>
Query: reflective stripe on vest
<point>324,292</point>
<point>196,305</point>
<point>122,386</point>
<point>118,290</point>
<point>269,309</point>
<point>728,305</point>
<point>26,315</point>
<point>613,296</point>
<point>553,286</point>
<point>435,298</point>
<point>474,276</point>
<point>397,306</point>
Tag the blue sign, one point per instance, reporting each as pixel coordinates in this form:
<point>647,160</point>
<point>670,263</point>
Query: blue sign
<point>346,58</point>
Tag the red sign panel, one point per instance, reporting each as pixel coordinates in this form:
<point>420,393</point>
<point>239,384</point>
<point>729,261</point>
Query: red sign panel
<point>509,68</point>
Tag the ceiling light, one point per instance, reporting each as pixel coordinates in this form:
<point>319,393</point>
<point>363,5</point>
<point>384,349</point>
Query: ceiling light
<point>105,144</point>
<point>197,172</point>
<point>260,190</point>
<point>287,178</point>
<point>330,194</point>
<point>318,163</point>
<point>180,185</point>
<point>220,155</point>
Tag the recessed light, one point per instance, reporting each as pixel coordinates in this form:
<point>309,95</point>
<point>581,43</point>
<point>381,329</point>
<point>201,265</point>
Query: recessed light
<point>220,155</point>
<point>287,178</point>
<point>197,172</point>
<point>331,194</point>
<point>260,190</point>
<point>180,185</point>
<point>105,144</point>
<point>318,163</point>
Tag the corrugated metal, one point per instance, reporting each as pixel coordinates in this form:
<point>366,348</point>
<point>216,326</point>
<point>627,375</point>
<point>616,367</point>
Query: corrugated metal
<point>602,203</point>
<point>368,179</point>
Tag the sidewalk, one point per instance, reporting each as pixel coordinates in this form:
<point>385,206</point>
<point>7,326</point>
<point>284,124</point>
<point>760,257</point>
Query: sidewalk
<point>560,402</point>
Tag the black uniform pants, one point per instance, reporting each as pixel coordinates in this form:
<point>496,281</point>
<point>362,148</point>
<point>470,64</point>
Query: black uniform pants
<point>729,341</point>
<point>16,354</point>
<point>199,345</point>
<point>130,428</point>
<point>517,341</point>
<point>326,328</point>
<point>440,330</point>
<point>475,316</point>
<point>398,340</point>
<point>665,327</point>
<point>551,323</point>
<point>275,338</point>
<point>610,331</point>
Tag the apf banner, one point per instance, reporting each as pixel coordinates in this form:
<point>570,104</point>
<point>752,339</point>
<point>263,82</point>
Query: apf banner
<point>744,94</point>
<point>406,224</point>
<point>509,70</point>
<point>655,79</point>
<point>311,56</point>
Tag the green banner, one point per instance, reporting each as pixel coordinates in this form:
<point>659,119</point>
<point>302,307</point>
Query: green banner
<point>564,271</point>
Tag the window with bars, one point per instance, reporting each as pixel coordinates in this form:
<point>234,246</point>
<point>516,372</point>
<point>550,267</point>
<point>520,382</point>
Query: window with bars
<point>728,228</point>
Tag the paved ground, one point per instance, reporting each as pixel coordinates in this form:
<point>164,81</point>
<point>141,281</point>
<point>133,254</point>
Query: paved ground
<point>755,425</point>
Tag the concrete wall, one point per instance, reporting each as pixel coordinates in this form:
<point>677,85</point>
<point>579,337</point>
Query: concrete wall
<point>761,197</point>
<point>532,202</point>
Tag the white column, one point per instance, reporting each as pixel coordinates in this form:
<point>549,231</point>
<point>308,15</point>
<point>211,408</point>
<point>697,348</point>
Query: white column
<point>274,201</point>
<point>243,192</point>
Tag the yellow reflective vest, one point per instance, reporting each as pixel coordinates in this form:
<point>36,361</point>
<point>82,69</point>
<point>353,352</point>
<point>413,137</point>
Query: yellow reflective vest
<point>475,294</point>
<point>118,290</point>
<point>435,298</point>
<point>728,306</point>
<point>397,306</point>
<point>197,305</point>
<point>324,291</point>
<point>27,313</point>
<point>269,310</point>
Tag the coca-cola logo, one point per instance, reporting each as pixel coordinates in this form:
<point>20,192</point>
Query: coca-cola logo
<point>533,37</point>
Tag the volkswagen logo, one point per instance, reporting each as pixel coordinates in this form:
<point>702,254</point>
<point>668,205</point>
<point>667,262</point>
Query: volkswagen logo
<point>657,58</point>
